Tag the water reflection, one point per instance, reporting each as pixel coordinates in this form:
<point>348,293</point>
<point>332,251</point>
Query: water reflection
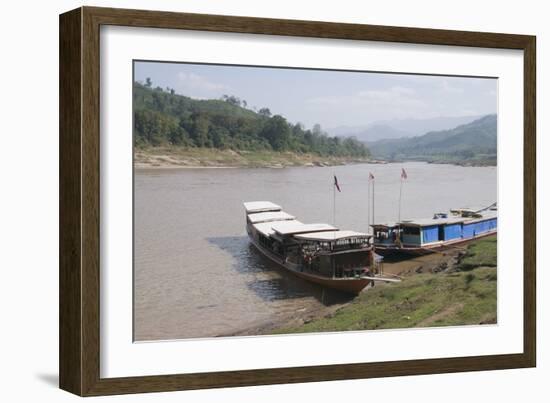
<point>270,281</point>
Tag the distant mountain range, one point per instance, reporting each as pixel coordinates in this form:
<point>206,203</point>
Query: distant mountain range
<point>398,128</point>
<point>472,143</point>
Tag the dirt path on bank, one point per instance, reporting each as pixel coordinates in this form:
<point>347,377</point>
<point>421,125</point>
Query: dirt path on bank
<point>432,262</point>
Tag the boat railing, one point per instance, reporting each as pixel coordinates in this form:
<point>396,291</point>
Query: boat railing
<point>357,271</point>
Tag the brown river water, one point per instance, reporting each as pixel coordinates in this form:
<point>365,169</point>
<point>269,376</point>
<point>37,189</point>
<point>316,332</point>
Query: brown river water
<point>195,273</point>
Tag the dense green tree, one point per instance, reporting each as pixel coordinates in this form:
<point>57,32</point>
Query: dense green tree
<point>221,137</point>
<point>265,112</point>
<point>201,126</point>
<point>162,117</point>
<point>277,132</point>
<point>150,127</point>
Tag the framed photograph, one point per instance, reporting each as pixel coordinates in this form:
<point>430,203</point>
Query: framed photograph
<point>248,201</point>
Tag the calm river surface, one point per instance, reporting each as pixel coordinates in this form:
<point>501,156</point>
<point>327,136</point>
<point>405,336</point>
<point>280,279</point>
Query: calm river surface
<point>196,274</point>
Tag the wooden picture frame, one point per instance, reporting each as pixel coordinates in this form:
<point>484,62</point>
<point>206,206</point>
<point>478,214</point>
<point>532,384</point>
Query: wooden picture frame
<point>79,346</point>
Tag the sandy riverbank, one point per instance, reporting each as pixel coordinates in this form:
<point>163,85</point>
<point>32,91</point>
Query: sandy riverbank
<point>170,158</point>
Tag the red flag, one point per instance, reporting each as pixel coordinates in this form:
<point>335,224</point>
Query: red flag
<point>371,176</point>
<point>403,173</point>
<point>336,183</point>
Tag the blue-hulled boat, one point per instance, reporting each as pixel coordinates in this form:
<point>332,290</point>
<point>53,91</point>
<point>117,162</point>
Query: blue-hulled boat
<point>442,231</point>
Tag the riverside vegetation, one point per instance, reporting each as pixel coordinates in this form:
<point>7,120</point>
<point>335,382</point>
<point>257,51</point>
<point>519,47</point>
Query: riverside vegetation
<point>461,292</point>
<point>175,130</point>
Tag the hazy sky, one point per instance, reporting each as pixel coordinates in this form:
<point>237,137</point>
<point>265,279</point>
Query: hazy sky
<point>331,98</point>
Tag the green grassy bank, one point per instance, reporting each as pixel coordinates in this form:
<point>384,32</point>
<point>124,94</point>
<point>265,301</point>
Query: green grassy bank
<point>465,294</point>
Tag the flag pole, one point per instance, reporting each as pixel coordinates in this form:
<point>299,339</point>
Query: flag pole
<point>379,269</point>
<point>373,220</point>
<point>368,206</point>
<point>400,194</point>
<point>334,200</point>
<point>403,177</point>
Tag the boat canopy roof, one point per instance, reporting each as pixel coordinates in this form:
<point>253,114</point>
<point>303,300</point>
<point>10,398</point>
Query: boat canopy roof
<point>386,226</point>
<point>452,219</point>
<point>296,227</point>
<point>260,206</point>
<point>331,236</point>
<point>270,216</point>
<point>428,222</point>
<point>265,228</point>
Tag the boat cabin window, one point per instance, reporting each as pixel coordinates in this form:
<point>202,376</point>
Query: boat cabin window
<point>441,233</point>
<point>411,230</point>
<point>385,234</point>
<point>351,242</point>
<point>381,234</point>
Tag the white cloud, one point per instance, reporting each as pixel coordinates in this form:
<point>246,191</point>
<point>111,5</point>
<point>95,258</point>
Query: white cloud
<point>195,85</point>
<point>373,104</point>
<point>396,96</point>
<point>449,88</point>
<point>393,94</point>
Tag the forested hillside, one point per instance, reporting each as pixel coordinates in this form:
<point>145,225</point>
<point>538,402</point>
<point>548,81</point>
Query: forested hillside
<point>475,142</point>
<point>163,118</point>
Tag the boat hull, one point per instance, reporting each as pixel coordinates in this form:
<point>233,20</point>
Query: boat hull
<point>347,285</point>
<point>426,249</point>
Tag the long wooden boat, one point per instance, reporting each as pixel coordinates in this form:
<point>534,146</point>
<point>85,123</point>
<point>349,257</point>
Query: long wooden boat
<point>442,231</point>
<point>320,253</point>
